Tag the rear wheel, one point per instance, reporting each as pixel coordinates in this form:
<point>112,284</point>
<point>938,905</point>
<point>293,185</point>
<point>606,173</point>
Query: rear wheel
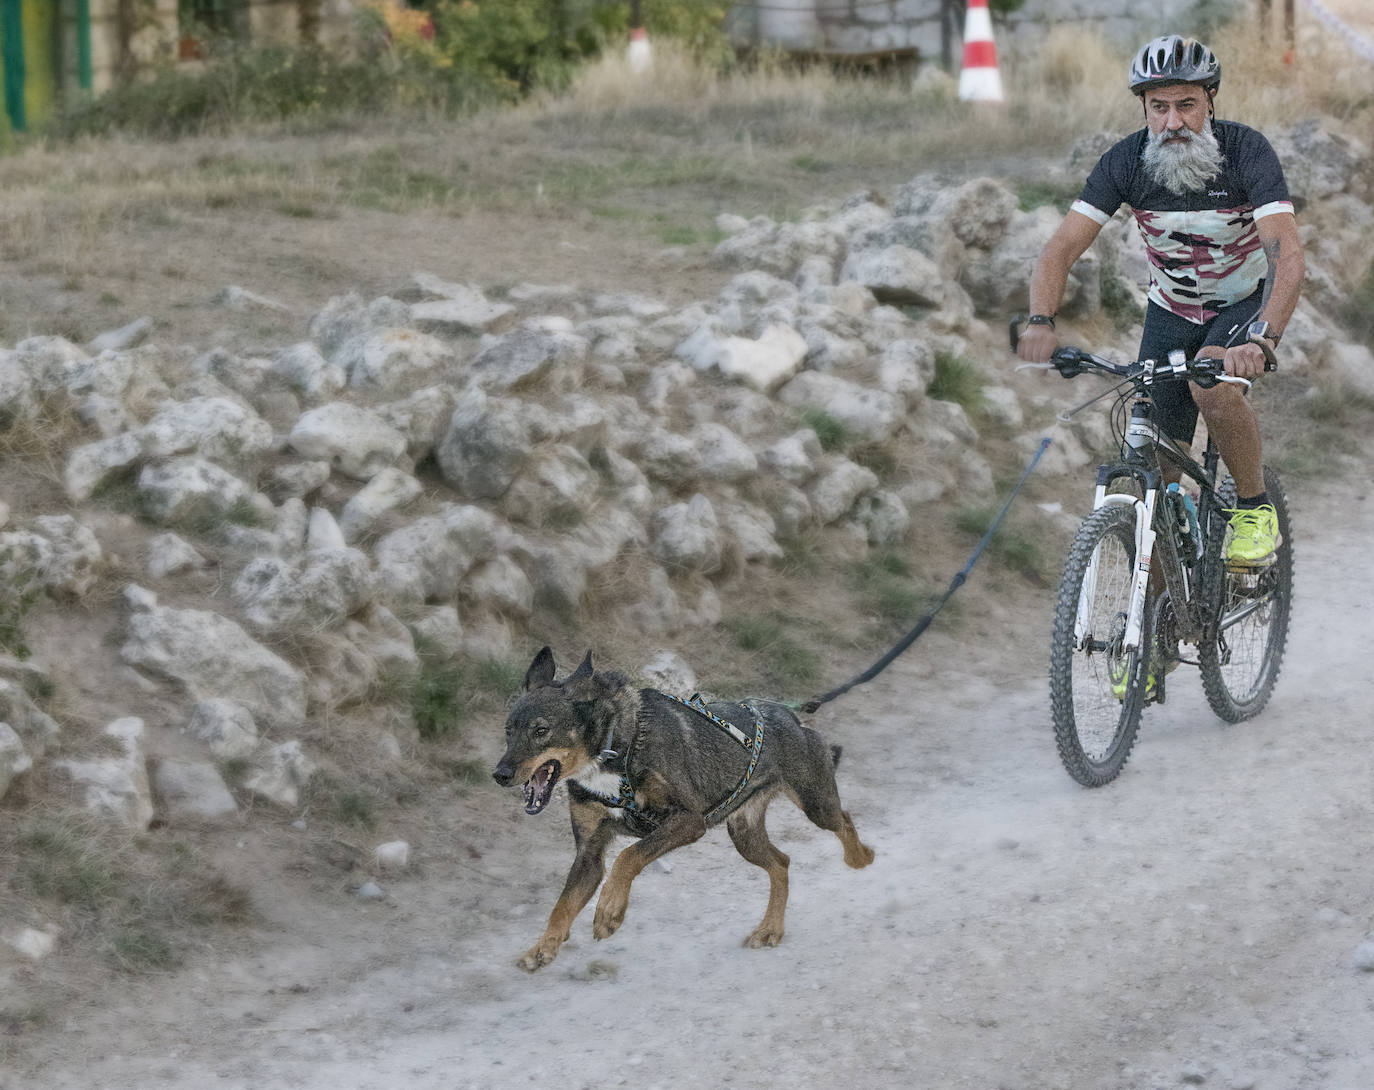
<point>1097,686</point>
<point>1243,648</point>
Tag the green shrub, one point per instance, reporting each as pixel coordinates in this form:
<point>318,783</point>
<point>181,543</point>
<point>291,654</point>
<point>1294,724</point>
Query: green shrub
<point>832,434</point>
<point>1121,301</point>
<point>956,380</point>
<point>447,696</point>
<point>1033,194</point>
<point>271,83</point>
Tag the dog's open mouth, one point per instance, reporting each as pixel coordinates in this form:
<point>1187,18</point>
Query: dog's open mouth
<point>539,787</point>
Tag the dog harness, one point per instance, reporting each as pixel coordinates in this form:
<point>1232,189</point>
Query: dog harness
<point>625,798</point>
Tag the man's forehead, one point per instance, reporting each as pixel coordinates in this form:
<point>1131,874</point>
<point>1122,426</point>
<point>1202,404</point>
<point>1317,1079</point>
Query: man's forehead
<point>1175,94</point>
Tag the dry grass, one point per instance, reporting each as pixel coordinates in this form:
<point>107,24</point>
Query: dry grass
<point>768,138</point>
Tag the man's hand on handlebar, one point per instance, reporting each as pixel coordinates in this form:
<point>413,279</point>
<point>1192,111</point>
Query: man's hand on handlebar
<point>1244,361</point>
<point>1037,343</point>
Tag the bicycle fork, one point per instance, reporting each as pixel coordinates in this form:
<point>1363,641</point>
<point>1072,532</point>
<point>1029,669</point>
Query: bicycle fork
<point>1140,579</point>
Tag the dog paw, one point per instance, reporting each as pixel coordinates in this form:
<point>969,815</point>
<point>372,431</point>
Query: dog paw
<point>537,957</point>
<point>860,857</point>
<point>610,914</point>
<point>762,936</point>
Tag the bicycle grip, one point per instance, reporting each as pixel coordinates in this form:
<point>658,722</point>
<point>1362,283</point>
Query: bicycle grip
<point>1014,334</point>
<point>1271,362</point>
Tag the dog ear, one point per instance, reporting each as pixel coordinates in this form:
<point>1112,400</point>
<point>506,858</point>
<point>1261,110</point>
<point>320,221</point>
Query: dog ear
<point>540,671</point>
<point>583,671</point>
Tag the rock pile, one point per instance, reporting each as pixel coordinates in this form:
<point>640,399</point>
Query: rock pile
<point>432,469</point>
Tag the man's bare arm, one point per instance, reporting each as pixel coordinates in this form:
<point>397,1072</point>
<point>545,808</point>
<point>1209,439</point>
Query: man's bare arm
<point>1283,282</point>
<point>1074,235</point>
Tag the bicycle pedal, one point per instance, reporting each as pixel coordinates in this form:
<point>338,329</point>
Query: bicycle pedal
<point>1236,567</point>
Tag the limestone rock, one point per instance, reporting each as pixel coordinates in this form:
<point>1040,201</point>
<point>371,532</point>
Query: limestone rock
<point>424,561</point>
<point>388,490</point>
<point>35,729</point>
<point>14,759</point>
<point>353,440</point>
<point>687,536</point>
<point>841,483</point>
<point>116,788</point>
<point>388,359</point>
<point>486,444</point>
<point>169,554</point>
<point>869,414</point>
<point>669,672</point>
<point>192,789</point>
<point>321,588</point>
<point>304,368</point>
<point>763,363</point>
<point>208,655</point>
<point>191,490</point>
<point>526,357</point>
<point>215,428</point>
<point>225,726</point>
<point>898,275</point>
<point>283,771</point>
<point>57,554</point>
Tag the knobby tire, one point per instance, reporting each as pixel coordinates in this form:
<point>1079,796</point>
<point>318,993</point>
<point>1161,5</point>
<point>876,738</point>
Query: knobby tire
<point>1239,679</point>
<point>1093,727</point>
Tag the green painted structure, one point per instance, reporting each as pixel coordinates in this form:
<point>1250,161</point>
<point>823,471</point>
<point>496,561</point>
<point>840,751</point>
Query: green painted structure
<point>45,51</point>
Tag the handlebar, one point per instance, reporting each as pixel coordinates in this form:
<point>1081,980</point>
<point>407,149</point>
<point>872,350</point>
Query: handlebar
<point>1204,370</point>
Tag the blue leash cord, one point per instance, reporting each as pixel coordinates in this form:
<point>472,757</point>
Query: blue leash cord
<point>924,623</point>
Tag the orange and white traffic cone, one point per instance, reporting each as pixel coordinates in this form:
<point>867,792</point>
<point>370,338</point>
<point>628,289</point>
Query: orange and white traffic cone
<point>640,55</point>
<point>979,80</point>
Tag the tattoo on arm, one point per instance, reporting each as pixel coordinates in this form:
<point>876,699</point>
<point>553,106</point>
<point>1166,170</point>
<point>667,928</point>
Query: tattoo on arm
<point>1271,249</point>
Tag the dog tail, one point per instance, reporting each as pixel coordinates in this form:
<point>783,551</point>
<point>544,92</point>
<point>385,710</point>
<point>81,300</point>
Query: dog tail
<point>835,752</point>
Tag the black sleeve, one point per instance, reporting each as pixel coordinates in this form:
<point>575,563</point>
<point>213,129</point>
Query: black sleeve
<point>1259,169</point>
<point>1107,185</point>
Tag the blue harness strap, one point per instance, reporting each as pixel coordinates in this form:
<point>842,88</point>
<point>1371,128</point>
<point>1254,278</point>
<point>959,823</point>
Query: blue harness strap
<point>625,796</point>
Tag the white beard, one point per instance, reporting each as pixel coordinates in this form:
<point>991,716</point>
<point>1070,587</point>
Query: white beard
<point>1183,166</point>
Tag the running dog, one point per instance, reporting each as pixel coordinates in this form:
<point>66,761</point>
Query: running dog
<point>645,764</point>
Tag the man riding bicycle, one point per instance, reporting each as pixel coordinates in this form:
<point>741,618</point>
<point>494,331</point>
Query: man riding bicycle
<point>1226,263</point>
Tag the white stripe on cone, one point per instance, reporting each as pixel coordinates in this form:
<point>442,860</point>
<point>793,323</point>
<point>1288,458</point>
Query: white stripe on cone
<point>979,82</point>
<point>640,54</point>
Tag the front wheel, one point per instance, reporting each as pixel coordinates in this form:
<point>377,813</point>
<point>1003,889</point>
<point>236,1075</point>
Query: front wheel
<point>1097,686</point>
<point>1243,648</point>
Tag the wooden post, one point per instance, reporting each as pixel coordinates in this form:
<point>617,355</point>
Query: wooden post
<point>308,21</point>
<point>947,35</point>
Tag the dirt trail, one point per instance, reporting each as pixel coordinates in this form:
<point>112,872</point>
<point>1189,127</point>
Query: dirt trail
<point>1194,922</point>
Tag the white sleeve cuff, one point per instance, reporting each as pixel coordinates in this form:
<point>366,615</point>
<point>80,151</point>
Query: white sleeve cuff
<point>1273,208</point>
<point>1083,208</point>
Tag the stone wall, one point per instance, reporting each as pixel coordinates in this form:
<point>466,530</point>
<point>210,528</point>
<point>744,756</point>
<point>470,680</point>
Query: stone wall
<point>863,27</point>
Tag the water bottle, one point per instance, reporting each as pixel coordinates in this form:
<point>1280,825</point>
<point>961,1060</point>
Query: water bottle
<point>1185,510</point>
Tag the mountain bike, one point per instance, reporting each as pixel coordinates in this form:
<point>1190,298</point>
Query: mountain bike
<point>1118,632</point>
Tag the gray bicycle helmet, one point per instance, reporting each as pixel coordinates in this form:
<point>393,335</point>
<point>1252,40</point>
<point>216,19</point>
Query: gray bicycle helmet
<point>1174,59</point>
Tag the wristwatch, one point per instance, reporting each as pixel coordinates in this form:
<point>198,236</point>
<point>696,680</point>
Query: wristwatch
<point>1041,319</point>
<point>1260,328</point>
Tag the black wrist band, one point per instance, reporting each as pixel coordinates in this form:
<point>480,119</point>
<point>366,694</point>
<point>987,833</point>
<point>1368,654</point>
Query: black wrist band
<point>1041,319</point>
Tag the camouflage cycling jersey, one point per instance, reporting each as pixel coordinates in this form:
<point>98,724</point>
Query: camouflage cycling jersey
<point>1203,245</point>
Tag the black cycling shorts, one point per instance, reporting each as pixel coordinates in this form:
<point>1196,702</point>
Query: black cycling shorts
<point>1176,412</point>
